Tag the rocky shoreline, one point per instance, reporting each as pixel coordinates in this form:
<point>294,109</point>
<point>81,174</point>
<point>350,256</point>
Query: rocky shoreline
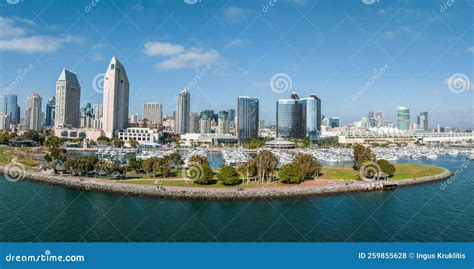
<point>210,193</point>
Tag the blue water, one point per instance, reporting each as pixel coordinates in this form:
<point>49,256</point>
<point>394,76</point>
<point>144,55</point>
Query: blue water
<point>37,212</point>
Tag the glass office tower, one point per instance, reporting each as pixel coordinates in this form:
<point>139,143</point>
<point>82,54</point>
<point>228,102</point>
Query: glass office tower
<point>247,118</point>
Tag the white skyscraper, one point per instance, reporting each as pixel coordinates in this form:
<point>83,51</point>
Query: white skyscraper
<point>116,98</point>
<point>153,112</point>
<point>183,106</point>
<point>33,113</point>
<point>68,97</point>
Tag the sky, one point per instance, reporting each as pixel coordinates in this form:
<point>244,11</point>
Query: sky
<point>358,55</point>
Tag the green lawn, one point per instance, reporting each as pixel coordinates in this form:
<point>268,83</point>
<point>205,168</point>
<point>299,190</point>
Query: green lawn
<point>339,172</point>
<point>405,171</point>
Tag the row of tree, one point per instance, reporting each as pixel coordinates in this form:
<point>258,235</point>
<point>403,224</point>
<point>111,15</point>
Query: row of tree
<point>363,156</point>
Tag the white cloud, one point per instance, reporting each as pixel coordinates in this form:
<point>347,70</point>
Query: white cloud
<point>237,42</point>
<point>233,14</point>
<point>36,44</point>
<point>192,58</point>
<point>470,50</point>
<point>155,48</point>
<point>14,37</point>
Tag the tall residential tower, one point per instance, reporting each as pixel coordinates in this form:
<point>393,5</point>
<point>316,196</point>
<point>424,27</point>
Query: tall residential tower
<point>68,97</point>
<point>247,118</point>
<point>183,109</point>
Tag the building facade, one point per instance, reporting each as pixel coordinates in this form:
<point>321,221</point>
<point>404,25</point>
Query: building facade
<point>11,108</point>
<point>33,113</point>
<point>223,122</point>
<point>183,106</point>
<point>116,98</point>
<point>403,118</point>
<point>68,96</point>
<point>422,121</point>
<point>153,112</point>
<point>194,123</point>
<point>4,122</point>
<point>50,112</point>
<point>247,118</point>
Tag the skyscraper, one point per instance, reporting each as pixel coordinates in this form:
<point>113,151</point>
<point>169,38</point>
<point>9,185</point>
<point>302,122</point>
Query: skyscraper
<point>33,113</point>
<point>298,117</point>
<point>379,118</point>
<point>116,98</point>
<point>403,118</point>
<point>205,123</point>
<point>183,106</point>
<point>68,97</point>
<point>223,123</point>
<point>318,108</point>
<point>194,123</point>
<point>372,121</point>
<point>334,122</point>
<point>153,112</point>
<point>87,116</point>
<point>98,113</point>
<point>11,109</point>
<point>50,112</point>
<point>247,118</point>
<point>422,121</point>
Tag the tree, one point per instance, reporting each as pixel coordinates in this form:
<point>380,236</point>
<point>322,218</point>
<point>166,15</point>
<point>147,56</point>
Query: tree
<point>134,165</point>
<point>198,159</point>
<point>307,165</point>
<point>289,173</point>
<point>229,176</point>
<point>133,143</point>
<point>103,138</point>
<point>161,166</point>
<point>266,163</point>
<point>175,158</point>
<point>117,142</point>
<point>386,167</point>
<point>248,169</point>
<point>31,135</point>
<point>147,165</point>
<point>362,155</point>
<point>200,173</point>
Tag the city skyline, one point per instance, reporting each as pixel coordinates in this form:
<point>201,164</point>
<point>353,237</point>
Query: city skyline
<point>161,63</point>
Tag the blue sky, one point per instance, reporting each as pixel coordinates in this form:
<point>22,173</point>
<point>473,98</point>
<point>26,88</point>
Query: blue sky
<point>330,48</point>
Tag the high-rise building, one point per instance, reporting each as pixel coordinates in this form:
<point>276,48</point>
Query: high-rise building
<point>372,121</point>
<point>68,97</point>
<point>4,122</point>
<point>194,123</point>
<point>403,118</point>
<point>247,118</point>
<point>133,118</point>
<point>223,123</point>
<point>153,112</point>
<point>232,118</point>
<point>33,113</point>
<point>87,116</point>
<point>183,106</point>
<point>379,118</point>
<point>422,121</point>
<point>50,112</point>
<point>116,98</point>
<point>98,113</point>
<point>318,113</point>
<point>205,123</point>
<point>10,108</point>
<point>334,122</point>
<point>298,117</point>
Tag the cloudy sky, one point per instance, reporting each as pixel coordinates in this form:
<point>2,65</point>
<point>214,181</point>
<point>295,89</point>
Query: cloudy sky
<point>356,55</point>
